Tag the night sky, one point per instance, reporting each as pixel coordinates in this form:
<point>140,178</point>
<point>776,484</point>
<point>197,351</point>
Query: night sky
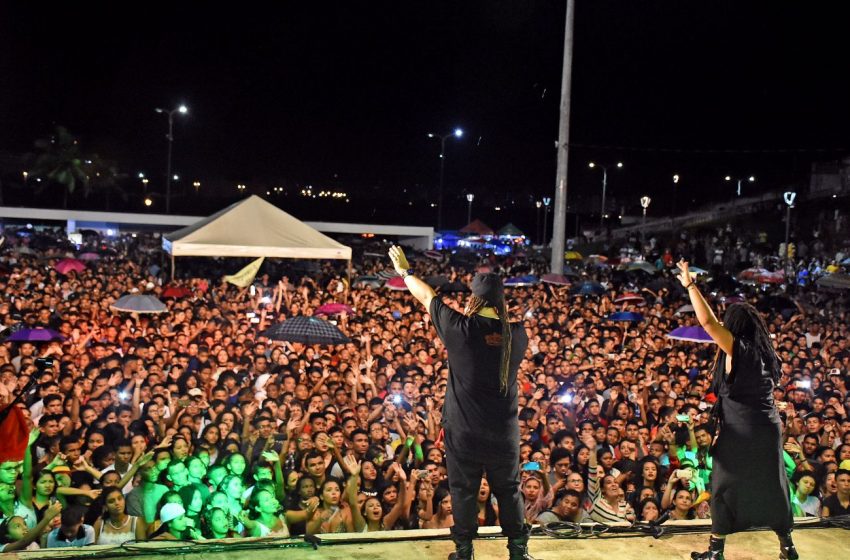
<point>341,94</point>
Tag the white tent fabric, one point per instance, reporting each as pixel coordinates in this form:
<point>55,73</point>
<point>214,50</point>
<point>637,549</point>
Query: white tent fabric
<point>253,228</point>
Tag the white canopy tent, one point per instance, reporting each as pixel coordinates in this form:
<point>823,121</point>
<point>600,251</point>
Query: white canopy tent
<point>253,228</point>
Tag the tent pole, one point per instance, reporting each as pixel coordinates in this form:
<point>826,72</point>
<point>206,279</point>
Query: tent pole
<point>348,289</point>
<point>172,267</point>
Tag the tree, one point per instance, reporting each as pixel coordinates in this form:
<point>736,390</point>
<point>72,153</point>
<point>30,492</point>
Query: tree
<point>59,162</point>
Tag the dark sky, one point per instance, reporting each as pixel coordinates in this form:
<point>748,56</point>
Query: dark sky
<point>341,94</point>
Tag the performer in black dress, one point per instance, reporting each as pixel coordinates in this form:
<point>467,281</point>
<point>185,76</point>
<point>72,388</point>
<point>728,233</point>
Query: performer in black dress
<point>749,487</point>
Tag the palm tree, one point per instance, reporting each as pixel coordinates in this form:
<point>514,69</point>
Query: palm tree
<point>103,177</point>
<point>60,162</point>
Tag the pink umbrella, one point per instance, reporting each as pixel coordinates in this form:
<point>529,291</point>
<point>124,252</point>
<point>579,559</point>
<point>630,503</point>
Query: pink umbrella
<point>70,265</point>
<point>630,297</point>
<point>334,309</point>
<point>777,277</point>
<point>396,283</point>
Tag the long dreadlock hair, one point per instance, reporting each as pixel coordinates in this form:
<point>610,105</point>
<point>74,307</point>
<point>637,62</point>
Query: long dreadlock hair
<point>473,305</point>
<point>745,322</point>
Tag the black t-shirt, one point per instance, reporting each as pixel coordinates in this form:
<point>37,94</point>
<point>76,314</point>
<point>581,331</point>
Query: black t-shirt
<point>835,507</point>
<point>476,412</point>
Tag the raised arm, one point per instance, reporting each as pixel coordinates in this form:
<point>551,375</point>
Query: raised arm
<point>705,315</point>
<point>420,290</point>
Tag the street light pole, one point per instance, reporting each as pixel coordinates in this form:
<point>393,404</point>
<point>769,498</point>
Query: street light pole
<point>673,207</point>
<point>789,198</point>
<point>546,202</point>
<point>457,133</point>
<point>644,203</point>
<point>604,168</point>
<point>469,198</point>
<point>182,110</point>
<point>739,180</point>
<point>539,205</point>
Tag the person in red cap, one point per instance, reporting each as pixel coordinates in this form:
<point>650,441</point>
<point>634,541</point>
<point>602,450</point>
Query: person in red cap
<point>480,411</point>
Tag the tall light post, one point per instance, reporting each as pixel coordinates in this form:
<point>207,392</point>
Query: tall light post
<point>676,179</point>
<point>469,198</point>
<point>789,198</point>
<point>457,133</point>
<point>644,203</point>
<point>546,202</point>
<point>594,165</point>
<point>182,109</point>
<point>750,179</point>
<point>539,205</point>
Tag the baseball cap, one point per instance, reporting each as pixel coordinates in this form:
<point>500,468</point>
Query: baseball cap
<point>170,512</point>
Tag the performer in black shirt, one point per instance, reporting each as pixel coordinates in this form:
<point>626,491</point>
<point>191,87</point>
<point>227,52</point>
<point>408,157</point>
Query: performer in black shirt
<point>480,411</point>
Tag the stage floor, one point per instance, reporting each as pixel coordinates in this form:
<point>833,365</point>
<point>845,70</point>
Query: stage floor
<point>828,544</point>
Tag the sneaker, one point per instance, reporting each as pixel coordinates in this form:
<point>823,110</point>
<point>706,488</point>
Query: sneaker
<point>787,550</point>
<point>707,555</point>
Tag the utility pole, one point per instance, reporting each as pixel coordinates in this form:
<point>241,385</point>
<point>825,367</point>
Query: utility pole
<point>559,223</point>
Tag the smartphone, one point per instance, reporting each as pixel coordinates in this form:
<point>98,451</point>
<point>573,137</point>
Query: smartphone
<point>683,418</point>
<point>250,314</point>
<point>423,475</point>
<point>532,466</point>
<point>252,290</point>
<point>396,399</point>
<point>803,385</point>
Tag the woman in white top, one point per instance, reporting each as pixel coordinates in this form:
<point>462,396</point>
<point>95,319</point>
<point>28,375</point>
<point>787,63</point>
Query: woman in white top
<point>264,516</point>
<point>116,526</point>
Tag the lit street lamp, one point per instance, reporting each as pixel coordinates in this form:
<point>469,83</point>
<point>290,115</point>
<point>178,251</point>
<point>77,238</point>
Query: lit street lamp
<point>644,203</point>
<point>539,205</point>
<point>751,179</point>
<point>546,202</point>
<point>469,198</point>
<point>182,109</point>
<point>604,168</point>
<point>457,133</point>
<point>789,198</point>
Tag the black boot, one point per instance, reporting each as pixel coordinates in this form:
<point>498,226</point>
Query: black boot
<point>787,551</point>
<point>714,552</point>
<point>518,548</point>
<point>463,551</point>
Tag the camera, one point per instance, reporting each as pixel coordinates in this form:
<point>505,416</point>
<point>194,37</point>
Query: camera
<point>43,363</point>
<point>396,399</point>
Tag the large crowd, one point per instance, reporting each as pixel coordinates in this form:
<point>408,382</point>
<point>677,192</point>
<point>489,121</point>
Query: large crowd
<point>192,425</point>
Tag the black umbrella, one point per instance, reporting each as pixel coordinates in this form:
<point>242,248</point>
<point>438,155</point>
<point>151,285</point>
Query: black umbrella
<point>436,281</point>
<point>454,288</point>
<point>307,330</point>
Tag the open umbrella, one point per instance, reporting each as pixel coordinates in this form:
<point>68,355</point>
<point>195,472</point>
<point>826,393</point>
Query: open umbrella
<point>396,283</point>
<point>35,335</point>
<point>687,308</point>
<point>176,292</point>
<point>139,303</point>
<point>777,277</point>
<point>835,281</point>
<point>334,309</point>
<point>573,256</point>
<point>387,273</point>
<point>690,334</point>
<point>626,316</point>
<point>434,255</point>
<point>454,288</point>
<point>368,281</point>
<point>558,279</point>
<point>630,297</point>
<point>729,300</point>
<point>588,289</point>
<point>70,265</point>
<point>89,257</point>
<point>521,281</point>
<point>597,259</point>
<point>641,266</point>
<point>697,270</point>
<point>436,281</point>
<point>307,330</point>
<point>751,274</point>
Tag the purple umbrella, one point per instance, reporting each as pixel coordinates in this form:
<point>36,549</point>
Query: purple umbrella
<point>89,257</point>
<point>559,279</point>
<point>35,335</point>
<point>334,309</point>
<point>690,334</point>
